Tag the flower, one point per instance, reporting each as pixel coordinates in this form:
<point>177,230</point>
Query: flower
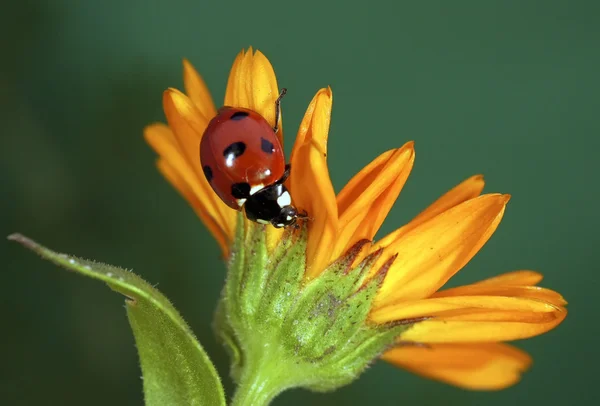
<point>456,335</point>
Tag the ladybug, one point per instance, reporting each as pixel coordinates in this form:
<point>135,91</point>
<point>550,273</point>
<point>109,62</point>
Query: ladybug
<point>244,163</point>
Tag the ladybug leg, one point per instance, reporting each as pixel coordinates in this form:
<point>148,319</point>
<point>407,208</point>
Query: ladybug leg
<point>278,109</point>
<point>303,215</point>
<point>286,174</point>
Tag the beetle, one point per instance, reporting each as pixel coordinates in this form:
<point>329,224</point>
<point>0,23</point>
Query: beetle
<point>244,163</point>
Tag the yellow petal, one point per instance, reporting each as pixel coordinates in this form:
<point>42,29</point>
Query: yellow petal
<point>460,307</point>
<point>485,366</point>
<point>466,190</point>
<point>174,178</point>
<point>473,319</point>
<point>177,170</point>
<point>531,292</point>
<point>503,327</point>
<point>273,236</point>
<point>252,84</point>
<point>524,278</point>
<point>196,89</point>
<point>310,185</point>
<point>235,92</point>
<point>431,253</point>
<point>188,125</point>
<point>366,200</point>
<point>233,78</point>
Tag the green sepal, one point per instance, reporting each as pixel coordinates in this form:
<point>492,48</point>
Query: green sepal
<point>252,283</point>
<point>325,305</point>
<point>284,278</point>
<point>176,370</point>
<point>228,338</point>
<point>286,331</point>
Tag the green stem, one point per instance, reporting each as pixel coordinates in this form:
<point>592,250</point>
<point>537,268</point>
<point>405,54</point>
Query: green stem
<point>259,385</point>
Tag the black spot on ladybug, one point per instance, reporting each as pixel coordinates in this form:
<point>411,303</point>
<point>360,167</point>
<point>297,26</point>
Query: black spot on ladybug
<point>266,146</point>
<point>207,172</point>
<point>234,150</point>
<point>240,190</point>
<point>239,115</point>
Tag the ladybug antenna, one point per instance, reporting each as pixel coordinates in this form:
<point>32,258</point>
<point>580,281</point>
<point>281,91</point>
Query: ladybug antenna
<point>278,109</point>
<point>303,215</point>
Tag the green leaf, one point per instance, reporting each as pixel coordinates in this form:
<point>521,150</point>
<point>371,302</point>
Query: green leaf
<point>175,368</point>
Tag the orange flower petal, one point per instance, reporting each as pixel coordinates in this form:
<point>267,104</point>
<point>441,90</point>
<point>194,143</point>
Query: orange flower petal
<point>456,307</point>
<point>272,237</point>
<point>188,125</point>
<point>531,292</point>
<point>179,173</point>
<point>196,90</point>
<point>484,366</point>
<point>524,278</point>
<point>310,184</point>
<point>466,190</point>
<point>431,253</point>
<point>232,79</point>
<point>366,200</point>
<point>473,318</point>
<point>235,91</point>
<point>501,327</point>
<point>252,84</point>
<point>179,183</point>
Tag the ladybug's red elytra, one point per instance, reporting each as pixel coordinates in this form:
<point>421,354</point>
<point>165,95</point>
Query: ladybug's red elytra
<point>244,163</point>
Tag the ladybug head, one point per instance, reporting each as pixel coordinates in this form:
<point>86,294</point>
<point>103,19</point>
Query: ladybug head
<point>271,205</point>
<point>287,216</point>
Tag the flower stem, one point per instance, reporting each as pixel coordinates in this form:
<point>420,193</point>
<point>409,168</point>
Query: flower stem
<point>259,385</point>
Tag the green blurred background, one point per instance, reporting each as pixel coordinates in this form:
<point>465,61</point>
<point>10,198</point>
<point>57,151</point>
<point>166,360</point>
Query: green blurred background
<point>504,88</point>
